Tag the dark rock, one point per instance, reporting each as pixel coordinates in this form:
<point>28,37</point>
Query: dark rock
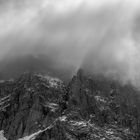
<point>90,107</point>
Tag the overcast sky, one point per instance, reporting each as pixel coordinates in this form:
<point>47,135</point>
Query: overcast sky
<point>98,35</point>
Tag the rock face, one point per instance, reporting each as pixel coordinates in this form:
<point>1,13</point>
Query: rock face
<point>32,104</point>
<point>89,108</point>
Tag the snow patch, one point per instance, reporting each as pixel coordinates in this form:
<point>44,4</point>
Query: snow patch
<point>4,107</point>
<point>31,137</point>
<point>4,98</point>
<point>100,99</point>
<point>109,132</point>
<point>52,106</point>
<point>4,102</point>
<point>34,135</point>
<point>79,123</point>
<point>63,118</point>
<point>2,135</point>
<point>53,82</point>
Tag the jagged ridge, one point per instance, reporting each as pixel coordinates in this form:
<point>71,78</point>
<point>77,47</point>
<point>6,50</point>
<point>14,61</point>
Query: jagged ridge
<point>42,107</point>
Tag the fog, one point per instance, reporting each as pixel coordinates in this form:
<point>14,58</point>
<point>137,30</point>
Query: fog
<point>98,36</point>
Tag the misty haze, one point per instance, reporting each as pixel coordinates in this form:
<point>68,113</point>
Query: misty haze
<point>69,70</point>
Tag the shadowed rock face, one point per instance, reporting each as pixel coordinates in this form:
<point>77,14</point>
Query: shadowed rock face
<point>89,107</point>
<point>34,102</point>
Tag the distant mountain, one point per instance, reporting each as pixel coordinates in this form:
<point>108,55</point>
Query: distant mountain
<point>40,107</point>
<point>13,67</point>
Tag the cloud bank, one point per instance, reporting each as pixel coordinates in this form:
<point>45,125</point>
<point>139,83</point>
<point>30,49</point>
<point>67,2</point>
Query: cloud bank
<point>99,36</point>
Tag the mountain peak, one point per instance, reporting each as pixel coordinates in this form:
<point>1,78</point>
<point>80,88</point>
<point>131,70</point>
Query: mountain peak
<point>37,106</point>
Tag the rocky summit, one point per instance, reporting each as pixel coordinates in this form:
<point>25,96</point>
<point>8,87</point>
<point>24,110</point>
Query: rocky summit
<point>89,107</point>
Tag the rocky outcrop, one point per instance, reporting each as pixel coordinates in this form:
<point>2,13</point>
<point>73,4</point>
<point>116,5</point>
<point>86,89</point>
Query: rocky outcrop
<point>89,107</point>
<point>33,104</point>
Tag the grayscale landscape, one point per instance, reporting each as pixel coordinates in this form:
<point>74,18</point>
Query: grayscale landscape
<point>69,70</point>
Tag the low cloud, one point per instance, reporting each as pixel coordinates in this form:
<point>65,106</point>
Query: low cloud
<point>101,37</point>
